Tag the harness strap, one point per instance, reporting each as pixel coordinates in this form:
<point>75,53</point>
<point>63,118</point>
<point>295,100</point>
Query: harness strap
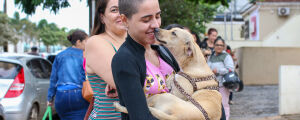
<point>194,80</point>
<point>212,88</point>
<point>186,76</point>
<point>192,100</point>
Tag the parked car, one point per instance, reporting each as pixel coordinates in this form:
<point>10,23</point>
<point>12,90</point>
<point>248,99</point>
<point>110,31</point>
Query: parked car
<point>24,83</point>
<point>1,113</point>
<point>51,58</point>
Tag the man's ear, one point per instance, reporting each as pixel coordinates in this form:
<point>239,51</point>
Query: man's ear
<point>124,20</point>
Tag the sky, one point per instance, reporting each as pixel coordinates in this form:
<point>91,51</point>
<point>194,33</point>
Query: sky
<point>75,16</point>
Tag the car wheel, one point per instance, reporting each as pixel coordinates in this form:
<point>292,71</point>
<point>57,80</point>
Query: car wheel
<point>34,112</point>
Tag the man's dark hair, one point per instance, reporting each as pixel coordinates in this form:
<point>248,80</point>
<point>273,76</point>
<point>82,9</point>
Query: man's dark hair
<point>129,7</point>
<point>34,49</point>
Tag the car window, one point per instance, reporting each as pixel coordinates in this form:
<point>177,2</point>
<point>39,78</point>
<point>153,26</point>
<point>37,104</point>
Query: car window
<point>35,68</point>
<point>46,68</point>
<point>8,70</point>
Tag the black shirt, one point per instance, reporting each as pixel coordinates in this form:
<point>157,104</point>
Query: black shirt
<point>129,72</point>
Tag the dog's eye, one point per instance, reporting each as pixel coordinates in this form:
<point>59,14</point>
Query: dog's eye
<point>173,33</point>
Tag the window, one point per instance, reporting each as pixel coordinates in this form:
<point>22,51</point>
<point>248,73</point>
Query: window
<point>8,70</point>
<point>36,68</point>
<point>46,68</point>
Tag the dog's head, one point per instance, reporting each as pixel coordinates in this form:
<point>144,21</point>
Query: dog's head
<point>179,41</point>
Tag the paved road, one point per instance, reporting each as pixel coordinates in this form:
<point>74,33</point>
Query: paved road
<point>258,103</point>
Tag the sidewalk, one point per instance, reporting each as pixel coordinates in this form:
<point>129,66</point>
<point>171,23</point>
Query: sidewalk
<point>258,103</point>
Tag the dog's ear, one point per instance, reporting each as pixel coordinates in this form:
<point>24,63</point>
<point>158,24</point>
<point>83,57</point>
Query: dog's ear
<point>189,49</point>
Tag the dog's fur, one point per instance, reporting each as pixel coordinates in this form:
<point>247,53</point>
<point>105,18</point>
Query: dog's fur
<point>174,105</point>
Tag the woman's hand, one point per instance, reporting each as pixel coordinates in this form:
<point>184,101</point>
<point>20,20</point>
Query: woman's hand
<point>111,92</point>
<point>49,103</point>
<point>207,52</point>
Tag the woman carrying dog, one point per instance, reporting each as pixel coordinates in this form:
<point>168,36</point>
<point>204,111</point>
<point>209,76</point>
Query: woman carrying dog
<point>107,36</point>
<point>221,63</point>
<point>139,68</point>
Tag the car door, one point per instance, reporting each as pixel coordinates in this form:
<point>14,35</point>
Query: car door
<point>36,70</point>
<point>45,81</point>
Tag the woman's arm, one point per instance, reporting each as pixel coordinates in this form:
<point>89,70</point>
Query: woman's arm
<point>128,80</point>
<point>99,54</point>
<point>229,66</point>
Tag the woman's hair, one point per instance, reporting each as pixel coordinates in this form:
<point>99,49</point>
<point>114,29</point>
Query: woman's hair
<point>197,38</point>
<point>210,30</point>
<point>99,27</point>
<point>218,39</point>
<point>129,7</point>
<point>77,35</point>
<point>169,27</point>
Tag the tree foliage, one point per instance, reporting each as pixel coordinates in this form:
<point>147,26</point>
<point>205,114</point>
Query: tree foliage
<point>6,32</point>
<point>50,34</point>
<point>29,6</point>
<point>212,2</point>
<point>190,14</point>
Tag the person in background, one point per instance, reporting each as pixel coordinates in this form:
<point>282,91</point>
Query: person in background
<point>34,51</point>
<point>66,80</point>
<point>196,37</point>
<point>231,52</point>
<point>207,45</point>
<point>108,35</point>
<point>140,68</point>
<point>221,63</point>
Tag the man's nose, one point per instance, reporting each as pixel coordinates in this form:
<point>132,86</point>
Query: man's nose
<point>155,24</point>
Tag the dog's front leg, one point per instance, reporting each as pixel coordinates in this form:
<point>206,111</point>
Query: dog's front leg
<point>120,108</point>
<point>161,115</point>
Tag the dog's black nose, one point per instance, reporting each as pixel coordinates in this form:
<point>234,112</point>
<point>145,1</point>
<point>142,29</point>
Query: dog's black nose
<point>156,30</point>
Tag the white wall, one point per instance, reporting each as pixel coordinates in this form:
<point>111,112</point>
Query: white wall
<point>289,93</point>
<point>288,35</point>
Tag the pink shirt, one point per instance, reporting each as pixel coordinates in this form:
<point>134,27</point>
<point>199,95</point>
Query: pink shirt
<point>155,82</point>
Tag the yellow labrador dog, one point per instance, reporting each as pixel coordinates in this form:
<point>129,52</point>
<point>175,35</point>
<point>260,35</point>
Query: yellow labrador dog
<point>175,105</point>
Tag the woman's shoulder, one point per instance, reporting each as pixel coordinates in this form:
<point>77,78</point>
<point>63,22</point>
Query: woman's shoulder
<point>96,39</point>
<point>97,42</point>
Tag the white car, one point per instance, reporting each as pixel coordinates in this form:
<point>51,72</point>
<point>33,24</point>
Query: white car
<point>24,83</point>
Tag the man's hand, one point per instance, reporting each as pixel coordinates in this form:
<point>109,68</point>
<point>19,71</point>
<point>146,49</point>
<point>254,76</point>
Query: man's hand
<point>111,92</point>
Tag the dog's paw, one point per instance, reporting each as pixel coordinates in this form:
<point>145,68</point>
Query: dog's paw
<point>117,106</point>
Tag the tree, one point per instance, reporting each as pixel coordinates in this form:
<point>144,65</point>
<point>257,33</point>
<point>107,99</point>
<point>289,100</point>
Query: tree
<point>190,14</point>
<point>212,2</point>
<point>50,34</point>
<point>62,35</point>
<point>47,34</point>
<point>6,31</point>
<point>25,30</point>
<point>29,6</point>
